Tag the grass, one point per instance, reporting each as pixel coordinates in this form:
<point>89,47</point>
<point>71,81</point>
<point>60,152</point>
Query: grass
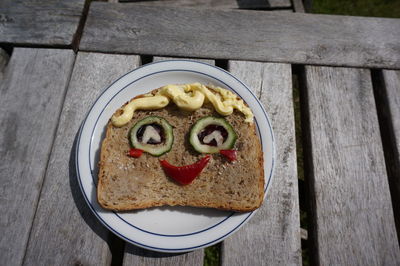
<point>368,8</point>
<point>212,255</point>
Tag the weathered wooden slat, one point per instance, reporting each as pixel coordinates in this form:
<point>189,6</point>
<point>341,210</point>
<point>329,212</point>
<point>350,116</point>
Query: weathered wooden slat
<point>271,3</point>
<point>3,62</point>
<point>3,59</point>
<point>220,4</point>
<point>137,256</point>
<point>243,34</point>
<point>352,210</point>
<point>40,22</point>
<point>392,85</point>
<point>298,6</point>
<point>65,232</point>
<point>161,58</point>
<point>272,236</point>
<point>391,79</point>
<point>31,97</point>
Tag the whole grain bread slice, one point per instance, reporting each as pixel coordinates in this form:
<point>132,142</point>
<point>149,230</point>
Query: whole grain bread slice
<point>126,183</point>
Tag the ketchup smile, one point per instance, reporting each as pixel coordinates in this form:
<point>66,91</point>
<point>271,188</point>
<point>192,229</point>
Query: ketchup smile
<point>184,175</point>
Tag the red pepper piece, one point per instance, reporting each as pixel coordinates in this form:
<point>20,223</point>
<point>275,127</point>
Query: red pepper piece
<point>184,175</point>
<point>135,153</point>
<point>231,155</point>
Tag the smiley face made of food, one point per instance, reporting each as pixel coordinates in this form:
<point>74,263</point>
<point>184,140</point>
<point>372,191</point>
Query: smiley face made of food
<point>187,145</point>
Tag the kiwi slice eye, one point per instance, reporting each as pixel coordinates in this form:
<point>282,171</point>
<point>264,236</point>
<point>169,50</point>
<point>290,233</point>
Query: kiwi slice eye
<point>211,134</point>
<point>153,135</point>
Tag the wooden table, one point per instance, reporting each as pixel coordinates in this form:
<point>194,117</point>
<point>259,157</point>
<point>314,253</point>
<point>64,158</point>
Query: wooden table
<point>57,56</point>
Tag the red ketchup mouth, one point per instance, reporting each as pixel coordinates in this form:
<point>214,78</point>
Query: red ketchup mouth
<point>184,175</point>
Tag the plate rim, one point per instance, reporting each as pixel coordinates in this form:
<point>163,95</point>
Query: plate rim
<point>161,249</point>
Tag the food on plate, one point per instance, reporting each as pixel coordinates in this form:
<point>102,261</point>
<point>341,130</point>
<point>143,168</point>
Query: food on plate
<point>211,134</point>
<point>187,145</point>
<point>152,134</point>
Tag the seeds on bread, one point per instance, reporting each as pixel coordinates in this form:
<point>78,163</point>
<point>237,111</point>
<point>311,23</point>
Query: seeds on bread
<point>126,183</point>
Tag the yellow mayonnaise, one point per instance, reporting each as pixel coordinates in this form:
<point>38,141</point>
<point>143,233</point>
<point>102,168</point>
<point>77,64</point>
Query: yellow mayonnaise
<point>189,97</point>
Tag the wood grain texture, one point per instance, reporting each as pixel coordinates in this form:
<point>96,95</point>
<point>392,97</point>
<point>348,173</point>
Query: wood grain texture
<point>273,3</point>
<point>40,22</point>
<point>243,34</point>
<point>391,135</point>
<point>31,98</point>
<point>3,62</point>
<point>272,236</point>
<point>392,85</point>
<point>137,256</point>
<point>162,58</point>
<point>65,232</point>
<point>353,216</point>
<point>298,6</point>
<point>3,59</point>
<point>219,4</point>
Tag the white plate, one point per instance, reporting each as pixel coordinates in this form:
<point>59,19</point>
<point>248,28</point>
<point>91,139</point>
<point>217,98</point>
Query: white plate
<point>165,229</point>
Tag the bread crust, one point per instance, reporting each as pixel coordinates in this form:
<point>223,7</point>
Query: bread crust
<point>126,183</point>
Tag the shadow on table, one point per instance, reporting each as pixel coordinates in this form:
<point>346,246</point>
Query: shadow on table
<point>137,251</point>
<point>116,245</point>
<point>79,199</point>
<point>253,4</point>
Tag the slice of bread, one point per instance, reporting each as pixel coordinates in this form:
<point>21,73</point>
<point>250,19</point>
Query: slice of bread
<point>126,183</point>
